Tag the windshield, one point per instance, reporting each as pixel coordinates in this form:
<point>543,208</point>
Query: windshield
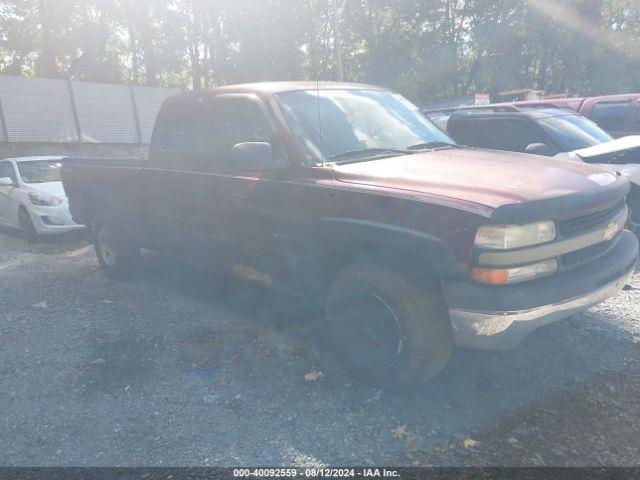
<point>574,131</point>
<point>40,171</point>
<point>330,123</point>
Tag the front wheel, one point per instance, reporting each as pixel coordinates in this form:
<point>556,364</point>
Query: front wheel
<point>26,225</point>
<point>388,329</point>
<point>116,254</point>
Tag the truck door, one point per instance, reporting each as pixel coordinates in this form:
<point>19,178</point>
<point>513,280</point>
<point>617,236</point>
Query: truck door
<point>247,202</point>
<point>177,193</point>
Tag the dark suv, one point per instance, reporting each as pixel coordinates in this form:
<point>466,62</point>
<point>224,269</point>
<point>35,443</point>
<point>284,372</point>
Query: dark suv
<point>543,131</point>
<point>553,132</point>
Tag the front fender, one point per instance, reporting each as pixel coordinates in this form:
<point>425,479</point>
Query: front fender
<point>363,236</point>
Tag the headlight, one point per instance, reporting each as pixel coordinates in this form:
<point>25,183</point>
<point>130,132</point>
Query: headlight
<point>514,236</point>
<point>42,200</point>
<point>495,276</point>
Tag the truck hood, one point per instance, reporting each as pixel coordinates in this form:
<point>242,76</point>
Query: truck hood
<point>486,177</point>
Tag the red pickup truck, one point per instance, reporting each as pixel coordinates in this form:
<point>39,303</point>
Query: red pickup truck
<point>346,194</point>
<point>618,114</point>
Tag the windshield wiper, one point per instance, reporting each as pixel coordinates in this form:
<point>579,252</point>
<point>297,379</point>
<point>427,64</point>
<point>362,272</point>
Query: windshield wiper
<point>432,145</point>
<point>366,153</point>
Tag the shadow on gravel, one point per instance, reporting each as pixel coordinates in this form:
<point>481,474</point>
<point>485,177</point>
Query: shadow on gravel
<point>479,395</point>
<point>48,244</point>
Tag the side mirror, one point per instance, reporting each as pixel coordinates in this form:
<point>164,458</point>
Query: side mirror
<point>539,149</point>
<point>256,156</point>
<point>6,182</point>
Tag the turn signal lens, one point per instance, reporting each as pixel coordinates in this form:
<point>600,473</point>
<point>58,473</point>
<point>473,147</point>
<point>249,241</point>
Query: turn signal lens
<point>493,276</point>
<point>490,275</point>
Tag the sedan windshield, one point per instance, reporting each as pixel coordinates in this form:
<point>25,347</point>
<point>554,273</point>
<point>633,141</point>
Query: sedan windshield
<point>40,171</point>
<point>574,131</point>
<point>357,123</point>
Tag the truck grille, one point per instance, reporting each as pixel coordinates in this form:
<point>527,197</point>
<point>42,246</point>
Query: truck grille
<point>586,255</point>
<point>587,223</point>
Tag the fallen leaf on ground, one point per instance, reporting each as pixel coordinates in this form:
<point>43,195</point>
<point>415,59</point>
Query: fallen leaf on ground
<point>375,397</point>
<point>400,432</point>
<point>469,442</point>
<point>313,376</point>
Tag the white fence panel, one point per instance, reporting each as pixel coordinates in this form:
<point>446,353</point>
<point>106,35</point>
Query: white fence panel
<point>148,101</point>
<point>37,110</point>
<point>105,113</point>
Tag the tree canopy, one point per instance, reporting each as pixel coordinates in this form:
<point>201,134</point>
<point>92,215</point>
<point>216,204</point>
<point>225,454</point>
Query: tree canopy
<point>427,49</point>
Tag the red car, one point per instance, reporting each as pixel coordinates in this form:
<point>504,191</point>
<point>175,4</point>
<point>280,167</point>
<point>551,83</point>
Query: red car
<point>617,114</point>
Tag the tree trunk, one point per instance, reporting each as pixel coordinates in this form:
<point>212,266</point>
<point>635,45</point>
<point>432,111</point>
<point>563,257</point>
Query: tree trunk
<point>134,55</point>
<point>47,65</point>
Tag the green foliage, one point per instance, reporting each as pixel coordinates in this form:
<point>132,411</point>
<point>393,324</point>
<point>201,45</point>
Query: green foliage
<point>427,49</point>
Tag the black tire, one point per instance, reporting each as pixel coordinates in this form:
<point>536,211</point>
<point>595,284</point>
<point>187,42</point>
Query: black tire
<point>117,254</point>
<point>372,310</point>
<point>26,225</point>
<point>634,223</point>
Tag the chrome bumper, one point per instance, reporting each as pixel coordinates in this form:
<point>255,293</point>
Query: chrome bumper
<point>505,330</point>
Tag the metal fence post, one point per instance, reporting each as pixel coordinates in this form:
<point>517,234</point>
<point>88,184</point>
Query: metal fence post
<point>136,117</point>
<point>74,110</point>
<point>5,131</point>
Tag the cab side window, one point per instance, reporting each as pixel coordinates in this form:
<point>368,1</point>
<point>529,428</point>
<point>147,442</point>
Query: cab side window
<point>611,115</point>
<point>197,134</point>
<point>237,119</point>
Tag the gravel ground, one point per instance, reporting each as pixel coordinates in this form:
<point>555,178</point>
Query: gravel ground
<point>177,367</point>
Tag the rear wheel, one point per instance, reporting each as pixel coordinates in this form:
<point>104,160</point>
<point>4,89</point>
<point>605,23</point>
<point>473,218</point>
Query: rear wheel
<point>116,254</point>
<point>388,329</point>
<point>26,225</point>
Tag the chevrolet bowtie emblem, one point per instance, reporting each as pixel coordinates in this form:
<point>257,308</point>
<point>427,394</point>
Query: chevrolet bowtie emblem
<point>610,231</point>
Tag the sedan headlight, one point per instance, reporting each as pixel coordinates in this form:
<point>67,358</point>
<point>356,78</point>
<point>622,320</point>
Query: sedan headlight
<point>43,200</point>
<point>502,237</point>
<point>501,276</point>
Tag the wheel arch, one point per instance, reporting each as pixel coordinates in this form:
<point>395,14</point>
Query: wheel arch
<point>340,242</point>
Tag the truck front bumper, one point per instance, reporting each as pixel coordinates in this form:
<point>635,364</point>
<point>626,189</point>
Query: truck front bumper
<point>499,318</point>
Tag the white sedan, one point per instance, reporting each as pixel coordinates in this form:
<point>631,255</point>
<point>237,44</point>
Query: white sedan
<point>32,197</point>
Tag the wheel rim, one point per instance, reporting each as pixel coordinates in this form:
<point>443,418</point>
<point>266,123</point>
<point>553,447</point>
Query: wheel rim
<point>369,329</point>
<point>106,247</point>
